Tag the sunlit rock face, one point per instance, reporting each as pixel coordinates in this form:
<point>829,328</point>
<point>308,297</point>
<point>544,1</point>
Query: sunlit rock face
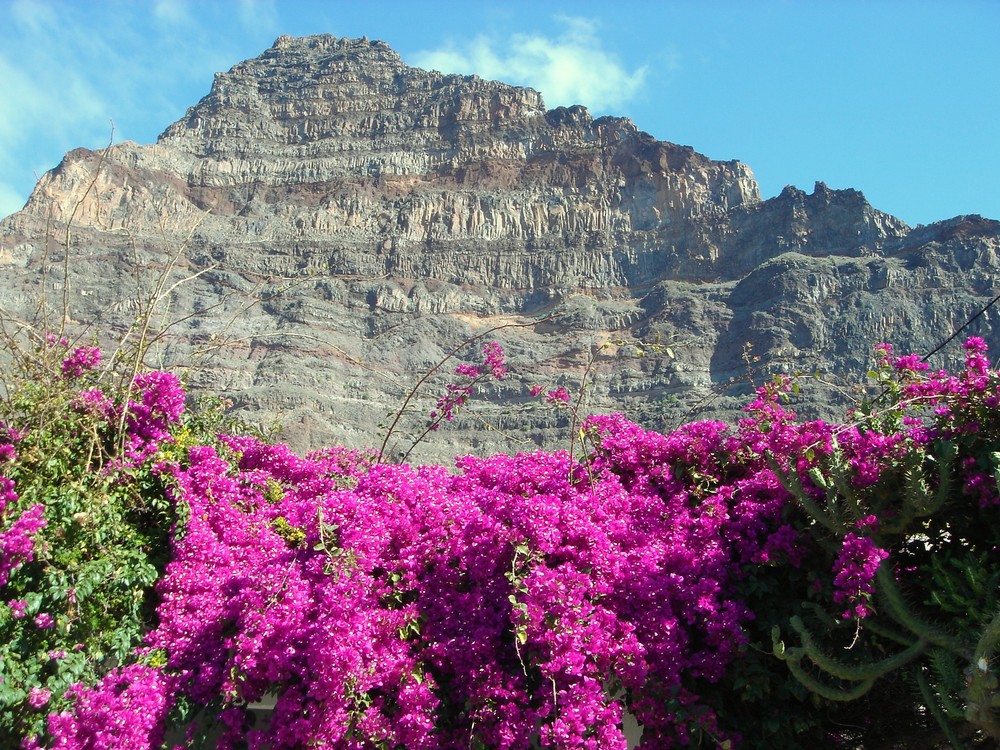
<point>328,223</point>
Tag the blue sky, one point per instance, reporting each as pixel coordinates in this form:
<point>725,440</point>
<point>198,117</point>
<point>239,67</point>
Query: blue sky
<point>899,99</point>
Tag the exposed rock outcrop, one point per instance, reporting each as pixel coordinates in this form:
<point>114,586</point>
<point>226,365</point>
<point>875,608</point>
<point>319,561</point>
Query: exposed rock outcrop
<point>343,220</point>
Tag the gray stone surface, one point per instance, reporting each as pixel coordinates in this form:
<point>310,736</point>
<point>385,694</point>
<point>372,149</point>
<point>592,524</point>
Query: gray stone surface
<point>328,222</point>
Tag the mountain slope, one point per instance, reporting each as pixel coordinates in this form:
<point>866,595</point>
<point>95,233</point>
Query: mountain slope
<point>343,220</point>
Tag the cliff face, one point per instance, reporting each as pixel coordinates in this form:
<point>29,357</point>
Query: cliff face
<point>343,220</point>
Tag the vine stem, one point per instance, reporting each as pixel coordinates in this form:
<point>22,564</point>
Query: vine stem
<point>435,368</point>
<point>435,423</point>
<point>69,225</point>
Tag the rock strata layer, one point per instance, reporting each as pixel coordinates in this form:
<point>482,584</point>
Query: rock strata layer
<point>328,223</point>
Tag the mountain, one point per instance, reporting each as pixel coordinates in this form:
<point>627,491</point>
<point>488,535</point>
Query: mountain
<point>328,223</point>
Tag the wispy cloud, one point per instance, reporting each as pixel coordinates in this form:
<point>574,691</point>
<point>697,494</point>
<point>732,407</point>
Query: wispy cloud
<point>46,96</point>
<point>571,68</point>
<point>69,70</point>
<point>258,14</point>
<point>171,12</point>
<point>32,17</point>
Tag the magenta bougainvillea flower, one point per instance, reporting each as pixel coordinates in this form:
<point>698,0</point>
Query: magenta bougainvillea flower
<point>80,360</point>
<point>507,602</point>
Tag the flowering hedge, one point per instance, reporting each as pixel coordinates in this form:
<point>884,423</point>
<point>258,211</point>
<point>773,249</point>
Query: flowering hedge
<point>85,519</point>
<point>723,586</point>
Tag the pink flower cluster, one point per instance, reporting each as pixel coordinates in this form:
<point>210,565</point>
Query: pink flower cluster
<point>517,601</point>
<point>454,398</point>
<point>559,395</point>
<point>80,360</point>
<point>17,542</point>
<point>457,394</point>
<point>855,568</point>
<point>18,607</point>
<point>94,401</point>
<point>555,396</point>
<point>9,437</point>
<point>39,697</point>
<point>127,710</point>
<point>494,360</point>
<point>157,404</point>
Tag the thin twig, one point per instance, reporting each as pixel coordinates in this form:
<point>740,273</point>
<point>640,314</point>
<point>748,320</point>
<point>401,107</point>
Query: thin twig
<point>435,368</point>
<point>69,227</point>
<point>961,328</point>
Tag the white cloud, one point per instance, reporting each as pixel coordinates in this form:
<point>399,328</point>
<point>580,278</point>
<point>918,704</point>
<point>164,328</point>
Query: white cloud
<point>33,17</point>
<point>171,12</point>
<point>175,15</point>
<point>258,14</point>
<point>48,100</point>
<point>572,68</point>
<point>69,70</point>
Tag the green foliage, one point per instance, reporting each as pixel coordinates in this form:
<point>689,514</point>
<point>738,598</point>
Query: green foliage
<point>925,649</point>
<point>294,537</point>
<point>933,619</point>
<point>107,535</point>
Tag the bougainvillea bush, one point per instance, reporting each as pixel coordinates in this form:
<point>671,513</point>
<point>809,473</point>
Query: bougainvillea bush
<point>85,517</point>
<point>775,583</point>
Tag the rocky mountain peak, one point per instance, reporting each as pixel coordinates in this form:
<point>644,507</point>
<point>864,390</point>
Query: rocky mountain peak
<point>332,221</point>
<point>318,95</point>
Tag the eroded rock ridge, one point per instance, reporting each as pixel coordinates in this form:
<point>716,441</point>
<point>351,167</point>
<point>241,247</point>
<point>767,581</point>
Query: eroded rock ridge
<point>338,221</point>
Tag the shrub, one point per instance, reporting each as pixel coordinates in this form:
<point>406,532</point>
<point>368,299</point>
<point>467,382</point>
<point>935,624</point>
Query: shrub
<point>85,519</point>
<point>780,583</point>
<point>903,508</point>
